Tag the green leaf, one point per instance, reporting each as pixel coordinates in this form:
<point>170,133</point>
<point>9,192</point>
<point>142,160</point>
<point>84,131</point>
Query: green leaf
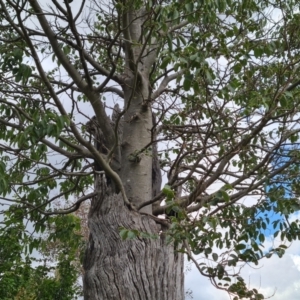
<point>170,42</point>
<point>124,233</point>
<point>167,190</point>
<point>225,196</point>
<point>215,256</point>
<point>240,247</point>
<point>66,49</point>
<point>132,234</point>
<point>188,79</point>
<point>237,68</point>
<point>165,62</point>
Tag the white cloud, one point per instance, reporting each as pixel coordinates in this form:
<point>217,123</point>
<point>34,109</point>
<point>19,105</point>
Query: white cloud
<point>201,287</point>
<point>296,260</point>
<point>276,277</point>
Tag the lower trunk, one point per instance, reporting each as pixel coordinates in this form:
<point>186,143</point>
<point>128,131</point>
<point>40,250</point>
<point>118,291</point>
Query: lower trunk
<point>141,268</point>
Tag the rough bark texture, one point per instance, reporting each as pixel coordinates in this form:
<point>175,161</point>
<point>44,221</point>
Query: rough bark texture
<point>140,268</point>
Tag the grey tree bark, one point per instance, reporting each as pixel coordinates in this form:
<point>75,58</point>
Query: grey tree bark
<point>141,268</point>
<point>131,269</point>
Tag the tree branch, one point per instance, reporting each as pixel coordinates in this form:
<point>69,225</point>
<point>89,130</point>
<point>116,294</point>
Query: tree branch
<point>165,82</point>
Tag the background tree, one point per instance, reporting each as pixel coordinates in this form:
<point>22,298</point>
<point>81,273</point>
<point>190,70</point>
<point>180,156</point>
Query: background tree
<point>27,274</point>
<point>213,83</point>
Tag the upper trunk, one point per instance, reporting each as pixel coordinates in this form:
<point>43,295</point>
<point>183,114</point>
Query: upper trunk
<point>136,169</point>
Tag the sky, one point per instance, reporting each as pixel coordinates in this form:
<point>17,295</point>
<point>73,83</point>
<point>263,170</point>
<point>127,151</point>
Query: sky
<point>277,278</point>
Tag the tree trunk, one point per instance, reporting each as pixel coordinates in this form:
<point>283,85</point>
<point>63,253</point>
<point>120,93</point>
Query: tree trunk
<point>140,268</point>
<point>136,170</point>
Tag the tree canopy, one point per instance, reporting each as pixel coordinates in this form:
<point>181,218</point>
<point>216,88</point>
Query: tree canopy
<point>202,95</point>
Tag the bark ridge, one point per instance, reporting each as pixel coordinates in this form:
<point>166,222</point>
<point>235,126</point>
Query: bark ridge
<point>136,269</point>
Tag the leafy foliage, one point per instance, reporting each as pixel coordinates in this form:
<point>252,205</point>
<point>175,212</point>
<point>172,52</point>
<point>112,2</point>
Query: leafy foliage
<point>222,79</point>
<point>26,271</point>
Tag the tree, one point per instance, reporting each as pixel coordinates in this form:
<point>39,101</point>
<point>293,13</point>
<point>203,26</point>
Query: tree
<point>26,275</point>
<point>100,99</point>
